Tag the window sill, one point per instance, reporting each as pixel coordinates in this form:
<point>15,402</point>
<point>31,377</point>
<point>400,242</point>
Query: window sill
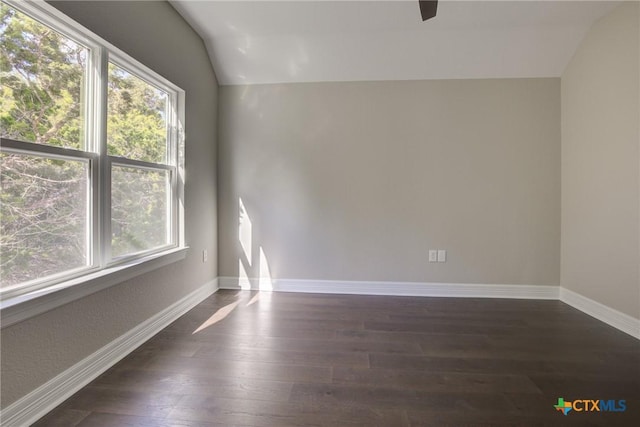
<point>31,304</point>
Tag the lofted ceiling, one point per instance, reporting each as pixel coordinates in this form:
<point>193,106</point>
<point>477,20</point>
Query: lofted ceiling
<point>253,42</point>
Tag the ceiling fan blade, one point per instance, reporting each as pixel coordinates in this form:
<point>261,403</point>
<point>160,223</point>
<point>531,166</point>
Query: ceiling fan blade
<point>428,9</point>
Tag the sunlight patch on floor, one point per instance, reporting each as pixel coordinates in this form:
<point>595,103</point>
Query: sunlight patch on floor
<point>217,316</point>
<point>254,300</point>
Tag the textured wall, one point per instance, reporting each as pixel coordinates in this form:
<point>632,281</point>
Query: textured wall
<point>600,164</point>
<point>357,181</point>
<point>39,348</point>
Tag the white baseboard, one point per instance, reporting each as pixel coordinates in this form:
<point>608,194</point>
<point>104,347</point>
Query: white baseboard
<point>459,290</point>
<point>40,401</point>
<point>606,314</point>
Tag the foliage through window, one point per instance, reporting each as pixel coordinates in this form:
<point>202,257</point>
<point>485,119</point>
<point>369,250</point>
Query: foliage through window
<point>42,82</point>
<point>89,162</point>
<point>44,221</point>
<point>136,124</point>
<point>138,209</point>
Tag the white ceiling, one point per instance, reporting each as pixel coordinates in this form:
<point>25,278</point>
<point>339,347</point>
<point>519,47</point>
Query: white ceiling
<point>251,42</point>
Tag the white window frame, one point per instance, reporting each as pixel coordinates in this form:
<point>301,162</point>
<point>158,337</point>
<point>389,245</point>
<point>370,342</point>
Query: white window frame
<point>33,297</point>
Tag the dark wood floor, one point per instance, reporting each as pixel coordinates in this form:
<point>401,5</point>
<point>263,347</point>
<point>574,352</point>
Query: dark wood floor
<point>341,360</point>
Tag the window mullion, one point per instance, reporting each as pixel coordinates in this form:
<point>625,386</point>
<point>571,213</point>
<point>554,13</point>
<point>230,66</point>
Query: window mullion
<point>175,178</point>
<point>178,115</point>
<point>90,114</point>
<point>172,185</point>
<point>139,164</point>
<point>102,188</point>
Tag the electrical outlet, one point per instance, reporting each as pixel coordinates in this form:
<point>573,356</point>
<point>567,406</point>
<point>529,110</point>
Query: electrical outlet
<point>433,255</point>
<point>204,255</point>
<point>442,255</point>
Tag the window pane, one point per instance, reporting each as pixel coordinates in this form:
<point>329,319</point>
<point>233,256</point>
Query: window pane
<point>42,82</point>
<point>137,118</point>
<point>139,201</point>
<point>43,217</point>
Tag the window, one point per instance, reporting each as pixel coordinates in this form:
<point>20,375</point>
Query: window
<point>91,155</point>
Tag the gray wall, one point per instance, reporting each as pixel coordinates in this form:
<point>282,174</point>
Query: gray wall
<point>36,350</point>
<point>600,164</point>
<point>357,181</point>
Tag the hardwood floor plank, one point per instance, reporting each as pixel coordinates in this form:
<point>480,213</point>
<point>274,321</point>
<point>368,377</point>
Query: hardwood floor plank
<point>289,357</point>
<point>215,386</point>
<point>419,338</point>
<point>62,417</point>
<point>454,364</point>
<point>481,362</point>
<point>479,319</point>
<point>435,382</point>
<point>488,351</point>
<point>260,413</point>
<point>100,419</point>
<point>458,327</point>
<point>534,342</point>
<point>233,369</point>
<point>123,402</point>
<point>409,399</point>
<point>311,345</point>
<point>252,321</point>
<point>491,305</point>
<point>213,334</point>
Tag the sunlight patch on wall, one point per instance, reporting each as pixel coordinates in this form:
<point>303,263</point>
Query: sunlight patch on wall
<point>253,269</point>
<point>265,283</point>
<point>245,231</point>
<point>243,278</point>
